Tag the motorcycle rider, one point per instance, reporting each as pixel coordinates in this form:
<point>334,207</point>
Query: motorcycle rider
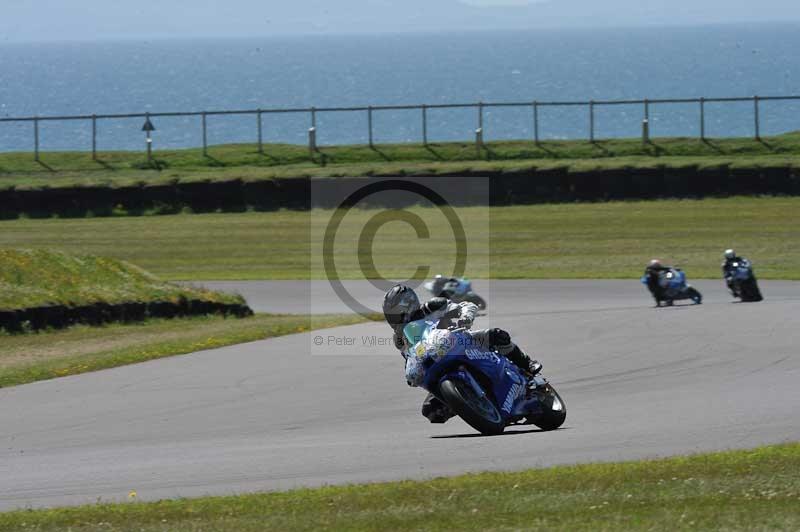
<point>444,286</point>
<point>653,273</point>
<point>728,268</point>
<point>402,306</point>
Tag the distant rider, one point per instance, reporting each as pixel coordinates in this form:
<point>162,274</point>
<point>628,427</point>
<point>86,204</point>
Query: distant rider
<point>444,286</point>
<point>728,268</point>
<point>653,273</point>
<point>401,306</point>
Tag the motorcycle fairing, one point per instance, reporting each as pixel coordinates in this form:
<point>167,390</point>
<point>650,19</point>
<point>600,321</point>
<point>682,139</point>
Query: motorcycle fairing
<point>469,363</point>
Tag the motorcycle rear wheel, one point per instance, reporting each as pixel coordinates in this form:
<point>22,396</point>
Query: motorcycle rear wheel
<point>749,291</point>
<point>479,412</point>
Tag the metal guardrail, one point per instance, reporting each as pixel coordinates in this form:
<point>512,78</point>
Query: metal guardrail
<point>312,112</point>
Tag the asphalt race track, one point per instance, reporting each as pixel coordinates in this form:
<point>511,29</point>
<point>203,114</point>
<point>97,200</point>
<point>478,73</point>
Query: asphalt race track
<point>277,414</point>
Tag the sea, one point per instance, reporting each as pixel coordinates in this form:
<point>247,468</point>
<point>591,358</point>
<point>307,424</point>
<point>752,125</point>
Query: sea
<point>84,78</point>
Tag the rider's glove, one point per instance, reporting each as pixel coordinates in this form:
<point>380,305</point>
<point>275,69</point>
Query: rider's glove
<point>462,323</point>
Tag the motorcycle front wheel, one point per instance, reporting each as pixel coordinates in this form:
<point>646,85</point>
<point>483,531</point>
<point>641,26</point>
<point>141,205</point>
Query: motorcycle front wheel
<point>478,300</point>
<point>478,411</point>
<point>555,410</point>
<point>695,295</point>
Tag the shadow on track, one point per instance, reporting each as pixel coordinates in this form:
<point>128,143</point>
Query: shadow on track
<point>479,435</point>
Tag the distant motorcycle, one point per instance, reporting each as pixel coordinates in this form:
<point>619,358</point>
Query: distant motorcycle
<point>675,288</point>
<point>456,290</point>
<point>743,282</point>
<point>481,386</point>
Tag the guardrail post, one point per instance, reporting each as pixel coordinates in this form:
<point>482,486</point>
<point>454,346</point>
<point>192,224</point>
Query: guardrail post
<point>205,136</point>
<point>260,132</point>
<point>591,121</point>
<point>148,139</point>
<point>702,119</point>
<point>369,122</point>
<point>312,141</point>
<point>756,117</point>
<point>94,137</point>
<point>536,122</point>
<point>36,139</point>
<point>424,125</point>
<point>480,116</point>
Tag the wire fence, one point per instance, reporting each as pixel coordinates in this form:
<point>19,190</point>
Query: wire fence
<point>312,114</point>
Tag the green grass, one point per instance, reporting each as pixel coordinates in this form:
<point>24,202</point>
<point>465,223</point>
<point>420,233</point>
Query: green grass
<point>593,240</point>
<point>740,490</point>
<point>242,161</point>
<point>32,357</point>
<point>36,278</point>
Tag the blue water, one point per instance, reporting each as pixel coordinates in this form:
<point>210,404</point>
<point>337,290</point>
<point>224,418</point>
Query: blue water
<point>130,77</point>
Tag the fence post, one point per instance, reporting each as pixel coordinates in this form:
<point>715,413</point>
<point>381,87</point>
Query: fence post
<point>260,132</point>
<point>757,118</point>
<point>591,121</point>
<point>36,139</point>
<point>480,116</point>
<point>479,140</point>
<point>148,140</point>
<point>646,122</point>
<point>312,141</point>
<point>702,119</point>
<point>314,117</point>
<point>205,136</point>
<point>369,121</point>
<point>536,122</point>
<point>424,125</point>
<point>94,137</point>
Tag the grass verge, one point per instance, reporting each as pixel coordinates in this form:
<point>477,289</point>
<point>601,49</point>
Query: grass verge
<point>80,349</point>
<point>739,490</point>
<point>34,278</point>
<point>242,161</point>
<point>595,240</point>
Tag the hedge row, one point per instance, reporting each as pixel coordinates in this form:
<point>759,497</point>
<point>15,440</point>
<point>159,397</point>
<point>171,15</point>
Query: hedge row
<point>60,316</point>
<point>507,188</point>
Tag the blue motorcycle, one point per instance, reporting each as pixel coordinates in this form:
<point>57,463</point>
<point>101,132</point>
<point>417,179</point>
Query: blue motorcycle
<point>742,281</point>
<point>674,287</point>
<point>481,386</point>
<point>455,289</point>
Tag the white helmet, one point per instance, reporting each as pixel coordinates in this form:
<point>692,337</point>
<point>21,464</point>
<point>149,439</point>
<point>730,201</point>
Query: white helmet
<point>729,254</point>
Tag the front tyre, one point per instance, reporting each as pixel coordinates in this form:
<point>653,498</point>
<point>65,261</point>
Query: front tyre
<point>695,295</point>
<point>478,300</point>
<point>554,409</point>
<point>478,411</point>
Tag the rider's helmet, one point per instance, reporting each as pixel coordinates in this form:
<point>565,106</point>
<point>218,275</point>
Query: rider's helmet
<point>399,304</point>
<point>730,254</point>
<point>655,263</point>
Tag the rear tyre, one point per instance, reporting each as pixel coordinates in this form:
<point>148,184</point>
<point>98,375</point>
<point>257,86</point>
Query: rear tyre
<point>479,412</point>
<point>750,291</point>
<point>478,300</point>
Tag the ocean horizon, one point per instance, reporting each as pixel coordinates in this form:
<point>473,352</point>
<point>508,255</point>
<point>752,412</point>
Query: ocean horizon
<point>132,76</point>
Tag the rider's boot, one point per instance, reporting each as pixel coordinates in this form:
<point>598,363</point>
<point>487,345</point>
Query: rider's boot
<point>529,366</point>
<point>435,410</point>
